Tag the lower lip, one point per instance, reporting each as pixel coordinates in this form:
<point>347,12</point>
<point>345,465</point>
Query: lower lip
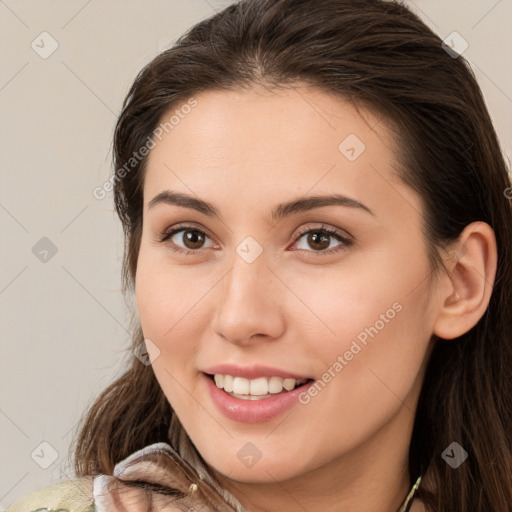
<point>253,411</point>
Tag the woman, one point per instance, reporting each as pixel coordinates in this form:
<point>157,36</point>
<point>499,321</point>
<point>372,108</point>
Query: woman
<point>318,237</point>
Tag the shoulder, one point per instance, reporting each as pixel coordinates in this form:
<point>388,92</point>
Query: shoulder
<point>72,495</point>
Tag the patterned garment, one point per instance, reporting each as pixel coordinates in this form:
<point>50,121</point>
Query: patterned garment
<point>157,468</point>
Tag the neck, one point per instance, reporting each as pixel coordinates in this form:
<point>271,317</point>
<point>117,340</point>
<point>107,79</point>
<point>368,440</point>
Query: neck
<point>372,477</point>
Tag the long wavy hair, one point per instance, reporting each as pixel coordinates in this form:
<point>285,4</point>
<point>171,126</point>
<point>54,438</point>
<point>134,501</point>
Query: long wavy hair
<point>377,54</point>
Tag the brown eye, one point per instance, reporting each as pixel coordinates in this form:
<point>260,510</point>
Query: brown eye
<point>191,240</point>
<point>319,240</point>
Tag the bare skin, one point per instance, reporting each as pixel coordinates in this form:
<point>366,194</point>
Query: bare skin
<point>295,307</point>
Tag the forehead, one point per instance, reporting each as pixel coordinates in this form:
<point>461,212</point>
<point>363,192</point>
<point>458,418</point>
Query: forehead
<point>256,144</point>
<point>260,120</point>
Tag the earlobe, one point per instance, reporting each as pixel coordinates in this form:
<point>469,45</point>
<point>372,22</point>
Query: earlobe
<point>469,282</point>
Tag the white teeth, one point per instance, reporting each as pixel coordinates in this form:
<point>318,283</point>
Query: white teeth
<point>240,386</point>
<point>228,383</point>
<point>288,384</point>
<point>275,385</point>
<point>255,387</point>
<point>258,387</point>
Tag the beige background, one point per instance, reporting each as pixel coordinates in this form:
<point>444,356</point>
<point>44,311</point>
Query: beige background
<point>63,322</point>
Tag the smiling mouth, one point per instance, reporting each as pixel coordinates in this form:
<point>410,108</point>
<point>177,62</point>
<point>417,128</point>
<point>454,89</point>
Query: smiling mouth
<point>255,389</point>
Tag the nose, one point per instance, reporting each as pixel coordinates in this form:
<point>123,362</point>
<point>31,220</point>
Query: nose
<point>249,305</point>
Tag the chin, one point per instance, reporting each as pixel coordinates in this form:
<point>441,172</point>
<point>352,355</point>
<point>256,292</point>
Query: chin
<point>257,472</point>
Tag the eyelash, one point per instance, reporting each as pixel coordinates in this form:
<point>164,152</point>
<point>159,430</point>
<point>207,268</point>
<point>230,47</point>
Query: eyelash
<point>322,229</point>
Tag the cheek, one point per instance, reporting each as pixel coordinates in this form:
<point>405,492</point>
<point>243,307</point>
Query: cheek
<point>366,318</point>
<point>166,316</point>
<point>335,305</point>
<point>372,361</point>
<point>170,303</point>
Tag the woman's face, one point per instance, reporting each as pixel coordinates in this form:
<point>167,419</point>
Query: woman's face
<point>259,291</point>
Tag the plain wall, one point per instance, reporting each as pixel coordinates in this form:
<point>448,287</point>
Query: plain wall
<point>64,323</point>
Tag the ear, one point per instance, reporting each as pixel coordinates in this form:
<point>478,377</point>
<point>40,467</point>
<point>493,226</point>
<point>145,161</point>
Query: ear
<point>466,288</point>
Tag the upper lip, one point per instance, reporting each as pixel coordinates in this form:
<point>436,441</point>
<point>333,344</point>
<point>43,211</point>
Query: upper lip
<point>252,372</point>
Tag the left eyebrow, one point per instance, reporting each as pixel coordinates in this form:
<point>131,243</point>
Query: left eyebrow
<point>279,212</point>
<point>309,203</point>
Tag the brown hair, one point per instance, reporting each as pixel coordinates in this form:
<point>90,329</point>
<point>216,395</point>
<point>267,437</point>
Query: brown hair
<point>381,55</point>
